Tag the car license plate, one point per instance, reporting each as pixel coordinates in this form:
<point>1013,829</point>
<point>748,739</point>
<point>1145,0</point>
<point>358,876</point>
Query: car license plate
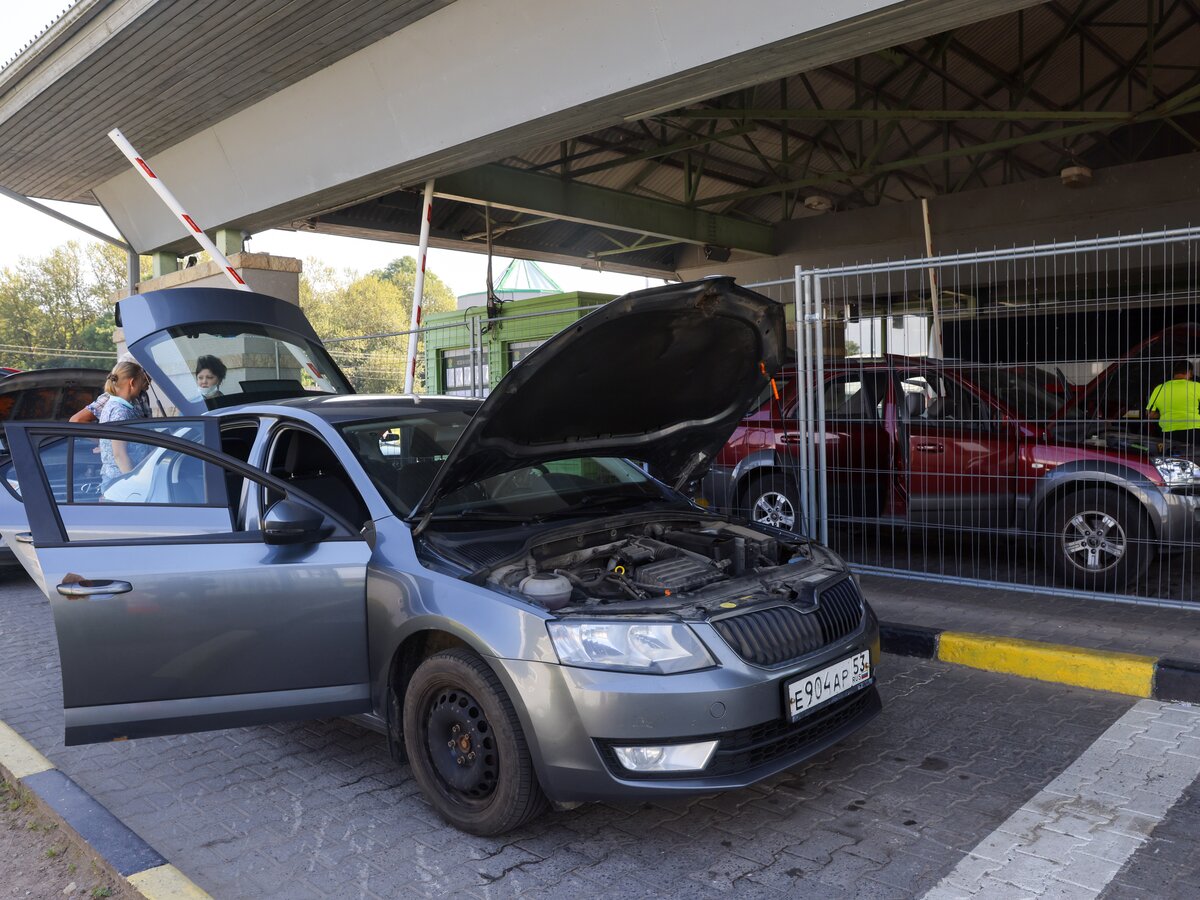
<point>817,688</point>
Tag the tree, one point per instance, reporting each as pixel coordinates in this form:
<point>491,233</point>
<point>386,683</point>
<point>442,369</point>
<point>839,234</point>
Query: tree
<point>346,304</point>
<point>58,309</point>
<point>402,272</point>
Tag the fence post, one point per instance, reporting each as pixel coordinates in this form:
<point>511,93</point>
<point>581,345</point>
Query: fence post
<point>822,468</point>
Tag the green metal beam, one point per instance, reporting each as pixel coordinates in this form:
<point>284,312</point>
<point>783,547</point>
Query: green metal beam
<point>548,195</point>
<point>665,150</point>
<point>954,153</point>
<point>924,115</point>
<point>602,254</point>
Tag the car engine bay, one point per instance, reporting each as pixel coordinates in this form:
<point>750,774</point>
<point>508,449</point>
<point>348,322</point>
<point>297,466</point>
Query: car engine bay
<point>658,566</point>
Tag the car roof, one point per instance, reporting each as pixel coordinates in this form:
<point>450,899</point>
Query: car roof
<point>339,409</point>
<point>35,378</point>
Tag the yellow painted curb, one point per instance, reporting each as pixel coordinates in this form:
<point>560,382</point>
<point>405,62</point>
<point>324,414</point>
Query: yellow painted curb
<point>1102,670</point>
<point>18,756</point>
<point>167,883</point>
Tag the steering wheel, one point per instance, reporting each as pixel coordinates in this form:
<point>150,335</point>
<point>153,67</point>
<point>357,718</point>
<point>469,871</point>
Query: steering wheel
<point>520,480</point>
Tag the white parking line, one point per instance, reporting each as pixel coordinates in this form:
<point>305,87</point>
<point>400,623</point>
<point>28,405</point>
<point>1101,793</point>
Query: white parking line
<point>1076,834</point>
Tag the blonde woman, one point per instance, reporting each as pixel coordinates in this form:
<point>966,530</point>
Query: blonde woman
<point>91,412</point>
<point>126,382</point>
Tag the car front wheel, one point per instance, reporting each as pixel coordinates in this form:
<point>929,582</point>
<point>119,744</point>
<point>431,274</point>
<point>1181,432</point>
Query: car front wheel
<point>1099,540</point>
<point>466,747</point>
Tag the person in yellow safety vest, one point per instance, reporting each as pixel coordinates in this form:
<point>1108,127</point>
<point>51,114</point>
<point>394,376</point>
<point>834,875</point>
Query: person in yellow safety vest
<point>1176,405</point>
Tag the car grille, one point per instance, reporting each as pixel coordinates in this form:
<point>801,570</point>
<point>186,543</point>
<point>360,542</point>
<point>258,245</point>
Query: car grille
<point>781,634</point>
<point>748,748</point>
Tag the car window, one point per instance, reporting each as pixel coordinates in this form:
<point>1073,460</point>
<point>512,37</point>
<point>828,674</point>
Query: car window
<point>75,398</point>
<point>86,471</point>
<point>303,459</point>
<point>8,403</point>
<point>243,363</point>
<point>857,396</point>
<point>38,403</point>
<point>932,398</point>
<point>558,488</point>
<point>1021,392</point>
<point>402,455</point>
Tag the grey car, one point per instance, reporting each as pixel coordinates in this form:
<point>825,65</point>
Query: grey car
<point>530,618</point>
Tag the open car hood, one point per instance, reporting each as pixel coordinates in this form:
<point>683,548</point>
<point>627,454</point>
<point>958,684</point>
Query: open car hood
<point>1135,374</point>
<point>267,346</point>
<point>662,376</point>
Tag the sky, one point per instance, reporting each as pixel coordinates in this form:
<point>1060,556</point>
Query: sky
<point>27,233</point>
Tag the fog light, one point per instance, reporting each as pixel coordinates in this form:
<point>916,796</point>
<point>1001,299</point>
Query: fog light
<point>667,758</point>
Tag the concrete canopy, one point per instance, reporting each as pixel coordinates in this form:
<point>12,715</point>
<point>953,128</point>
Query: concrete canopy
<point>280,112</point>
<point>653,137</point>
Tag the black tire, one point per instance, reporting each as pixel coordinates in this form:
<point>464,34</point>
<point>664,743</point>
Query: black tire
<point>1099,540</point>
<point>456,709</point>
<point>771,498</point>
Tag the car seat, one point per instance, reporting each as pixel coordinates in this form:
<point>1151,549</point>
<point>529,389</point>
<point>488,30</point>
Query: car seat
<point>312,467</point>
<point>914,405</point>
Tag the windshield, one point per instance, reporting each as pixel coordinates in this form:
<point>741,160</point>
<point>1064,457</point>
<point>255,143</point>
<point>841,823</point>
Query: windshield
<point>402,455</point>
<point>230,363</point>
<point>1022,392</point>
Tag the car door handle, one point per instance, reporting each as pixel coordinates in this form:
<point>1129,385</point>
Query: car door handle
<point>24,537</point>
<point>791,437</point>
<point>930,448</point>
<point>94,588</point>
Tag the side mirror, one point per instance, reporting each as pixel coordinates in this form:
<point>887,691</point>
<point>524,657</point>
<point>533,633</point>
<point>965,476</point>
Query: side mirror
<point>290,522</point>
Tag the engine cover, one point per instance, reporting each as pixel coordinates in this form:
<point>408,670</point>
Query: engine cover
<point>679,574</point>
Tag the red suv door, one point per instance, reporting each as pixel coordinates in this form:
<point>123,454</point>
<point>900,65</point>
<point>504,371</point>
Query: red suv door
<point>962,455</point>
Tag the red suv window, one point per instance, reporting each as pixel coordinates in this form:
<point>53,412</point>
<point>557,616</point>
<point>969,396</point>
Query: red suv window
<point>39,403</point>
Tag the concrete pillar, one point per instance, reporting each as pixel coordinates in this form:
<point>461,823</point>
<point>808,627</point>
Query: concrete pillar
<point>164,263</point>
<point>228,240</point>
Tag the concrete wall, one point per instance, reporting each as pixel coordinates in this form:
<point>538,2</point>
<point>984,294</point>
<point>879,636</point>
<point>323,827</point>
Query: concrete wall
<point>1123,199</point>
<point>276,276</point>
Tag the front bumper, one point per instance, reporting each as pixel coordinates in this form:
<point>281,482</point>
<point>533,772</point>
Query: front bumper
<point>574,716</point>
<point>1180,518</point>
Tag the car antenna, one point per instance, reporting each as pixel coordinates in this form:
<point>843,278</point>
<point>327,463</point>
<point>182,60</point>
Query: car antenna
<point>168,198</point>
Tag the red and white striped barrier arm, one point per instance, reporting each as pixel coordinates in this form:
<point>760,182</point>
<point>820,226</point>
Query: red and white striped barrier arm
<point>419,288</point>
<point>164,194</point>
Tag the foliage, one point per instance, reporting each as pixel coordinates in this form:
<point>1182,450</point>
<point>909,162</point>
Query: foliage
<point>852,348</point>
<point>57,310</point>
<point>346,304</point>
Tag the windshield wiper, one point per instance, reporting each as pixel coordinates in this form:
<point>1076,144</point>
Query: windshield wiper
<point>482,514</point>
<point>592,503</point>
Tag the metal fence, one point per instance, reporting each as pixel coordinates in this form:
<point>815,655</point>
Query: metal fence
<point>1017,417</point>
<point>976,418</point>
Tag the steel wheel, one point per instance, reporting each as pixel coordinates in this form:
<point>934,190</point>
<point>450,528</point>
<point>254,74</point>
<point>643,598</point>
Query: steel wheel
<point>460,746</point>
<point>465,745</point>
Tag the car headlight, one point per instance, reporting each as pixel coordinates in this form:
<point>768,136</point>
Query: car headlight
<point>1177,471</point>
<point>658,648</point>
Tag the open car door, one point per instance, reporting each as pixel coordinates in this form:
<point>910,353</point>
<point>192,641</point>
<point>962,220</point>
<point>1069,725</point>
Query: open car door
<point>83,456</point>
<point>179,604</point>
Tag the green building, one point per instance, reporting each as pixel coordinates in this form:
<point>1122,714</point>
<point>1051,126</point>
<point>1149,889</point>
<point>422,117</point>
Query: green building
<point>466,353</point>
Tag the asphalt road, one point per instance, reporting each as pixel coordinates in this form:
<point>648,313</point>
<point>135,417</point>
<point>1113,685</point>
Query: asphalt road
<point>958,759</point>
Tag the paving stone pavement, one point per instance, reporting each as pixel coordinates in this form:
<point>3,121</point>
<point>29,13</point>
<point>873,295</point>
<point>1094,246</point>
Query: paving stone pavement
<point>318,809</point>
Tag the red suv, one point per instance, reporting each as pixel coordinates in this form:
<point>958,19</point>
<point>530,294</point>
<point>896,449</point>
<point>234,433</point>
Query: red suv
<point>944,444</point>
